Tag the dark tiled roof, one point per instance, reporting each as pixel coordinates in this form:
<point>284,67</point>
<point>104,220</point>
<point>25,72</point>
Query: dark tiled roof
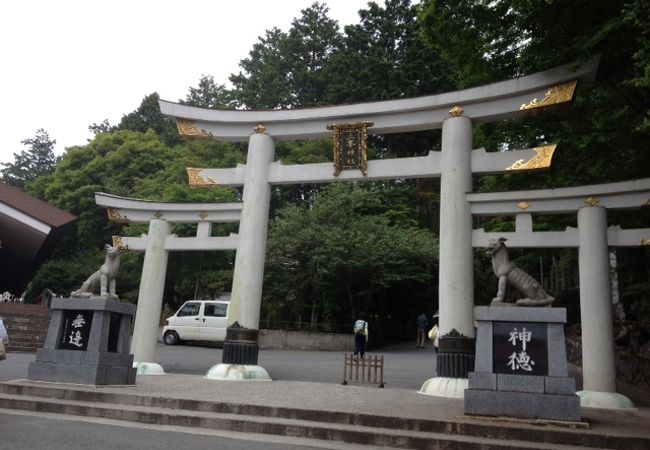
<point>38,209</point>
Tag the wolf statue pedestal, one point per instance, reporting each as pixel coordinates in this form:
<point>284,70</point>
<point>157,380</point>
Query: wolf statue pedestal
<point>88,342</point>
<point>521,366</point>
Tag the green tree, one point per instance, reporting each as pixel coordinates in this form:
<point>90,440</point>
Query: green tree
<point>148,117</point>
<point>287,70</point>
<point>209,94</point>
<point>347,253</point>
<point>103,127</point>
<point>113,162</point>
<point>139,165</point>
<point>385,57</point>
<point>29,164</point>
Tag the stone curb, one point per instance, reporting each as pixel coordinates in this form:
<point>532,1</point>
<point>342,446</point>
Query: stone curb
<point>361,428</point>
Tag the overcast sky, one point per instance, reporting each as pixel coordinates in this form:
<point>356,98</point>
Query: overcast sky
<point>69,63</point>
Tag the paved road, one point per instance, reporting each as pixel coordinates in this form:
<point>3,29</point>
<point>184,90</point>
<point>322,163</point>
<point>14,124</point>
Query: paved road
<point>407,367</point>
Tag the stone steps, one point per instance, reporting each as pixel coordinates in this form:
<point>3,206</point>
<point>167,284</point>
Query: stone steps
<point>333,426</point>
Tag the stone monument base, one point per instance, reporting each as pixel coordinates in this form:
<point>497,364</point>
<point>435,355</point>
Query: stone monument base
<point>521,366</point>
<point>542,398</point>
<point>87,343</point>
<point>69,366</point>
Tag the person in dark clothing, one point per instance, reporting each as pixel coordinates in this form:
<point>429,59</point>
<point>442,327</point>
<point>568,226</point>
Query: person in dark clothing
<point>421,323</point>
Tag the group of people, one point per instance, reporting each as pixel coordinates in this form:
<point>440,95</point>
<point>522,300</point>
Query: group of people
<point>421,322</point>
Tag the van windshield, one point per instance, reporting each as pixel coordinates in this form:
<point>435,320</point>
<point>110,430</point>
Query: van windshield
<point>189,309</point>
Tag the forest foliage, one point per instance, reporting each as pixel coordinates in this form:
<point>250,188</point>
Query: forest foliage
<point>336,250</point>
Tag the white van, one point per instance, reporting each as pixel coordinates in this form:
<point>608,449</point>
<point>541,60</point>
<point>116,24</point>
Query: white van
<point>197,320</point>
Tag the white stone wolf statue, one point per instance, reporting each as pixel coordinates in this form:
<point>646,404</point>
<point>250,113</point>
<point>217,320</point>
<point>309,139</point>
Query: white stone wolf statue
<point>508,273</point>
<point>103,282</point>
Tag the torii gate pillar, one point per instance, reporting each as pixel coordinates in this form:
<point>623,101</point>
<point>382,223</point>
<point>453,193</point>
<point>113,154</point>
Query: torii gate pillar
<point>456,285</point>
<point>152,285</point>
<point>599,369</point>
<point>240,350</point>
<point>249,261</point>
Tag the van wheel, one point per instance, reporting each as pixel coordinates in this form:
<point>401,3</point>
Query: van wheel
<point>171,338</point>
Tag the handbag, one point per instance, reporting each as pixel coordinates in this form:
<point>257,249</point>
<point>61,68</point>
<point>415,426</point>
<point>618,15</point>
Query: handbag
<point>433,333</point>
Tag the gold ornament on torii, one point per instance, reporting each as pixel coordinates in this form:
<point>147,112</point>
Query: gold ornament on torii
<point>190,130</point>
<point>118,242</point>
<point>541,160</point>
<point>195,178</point>
<point>115,216</point>
<point>557,94</point>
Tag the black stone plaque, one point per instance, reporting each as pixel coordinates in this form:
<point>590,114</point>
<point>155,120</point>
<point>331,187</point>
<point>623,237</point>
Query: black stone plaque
<point>75,330</point>
<point>350,145</point>
<point>520,348</point>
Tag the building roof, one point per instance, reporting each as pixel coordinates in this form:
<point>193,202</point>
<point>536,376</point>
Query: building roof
<point>29,230</point>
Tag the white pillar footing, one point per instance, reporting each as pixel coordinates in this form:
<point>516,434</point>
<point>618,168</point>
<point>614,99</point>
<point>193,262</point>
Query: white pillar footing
<point>147,368</point>
<point>444,387</point>
<point>606,400</point>
<point>237,372</point>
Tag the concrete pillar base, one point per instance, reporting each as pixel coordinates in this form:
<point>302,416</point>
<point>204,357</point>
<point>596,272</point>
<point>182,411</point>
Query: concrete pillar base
<point>147,368</point>
<point>444,387</point>
<point>606,400</point>
<point>237,372</point>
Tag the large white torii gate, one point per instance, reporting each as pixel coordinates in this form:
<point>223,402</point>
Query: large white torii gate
<point>593,239</point>
<point>454,112</point>
<point>157,244</point>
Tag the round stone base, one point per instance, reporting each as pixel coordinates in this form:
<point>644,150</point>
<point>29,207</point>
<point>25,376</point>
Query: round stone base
<point>237,372</point>
<point>147,368</point>
<point>606,400</point>
<point>444,387</point>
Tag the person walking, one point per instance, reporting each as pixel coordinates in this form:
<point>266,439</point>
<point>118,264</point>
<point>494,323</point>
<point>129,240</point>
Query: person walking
<point>421,323</point>
<point>360,335</point>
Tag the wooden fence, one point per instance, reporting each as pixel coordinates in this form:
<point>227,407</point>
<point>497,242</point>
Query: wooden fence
<point>369,369</point>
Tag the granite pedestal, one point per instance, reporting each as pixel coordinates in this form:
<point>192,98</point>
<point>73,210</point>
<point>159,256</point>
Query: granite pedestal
<point>521,366</point>
<point>88,342</point>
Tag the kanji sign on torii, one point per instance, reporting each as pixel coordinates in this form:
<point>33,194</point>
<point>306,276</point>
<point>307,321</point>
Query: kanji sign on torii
<point>454,112</point>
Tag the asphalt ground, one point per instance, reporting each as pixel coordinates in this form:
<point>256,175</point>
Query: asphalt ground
<point>406,367</point>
